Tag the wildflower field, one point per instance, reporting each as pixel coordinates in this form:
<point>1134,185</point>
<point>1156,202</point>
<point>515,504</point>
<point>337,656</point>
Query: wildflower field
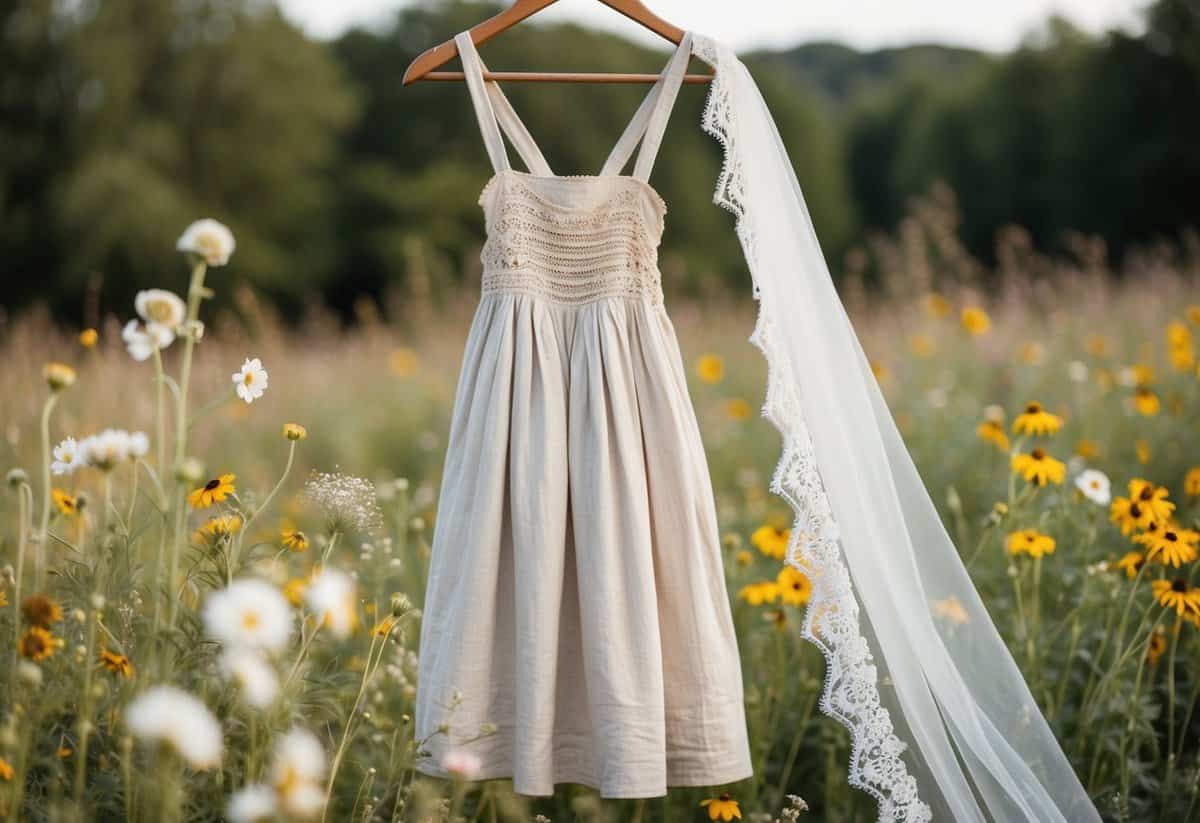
<point>215,530</point>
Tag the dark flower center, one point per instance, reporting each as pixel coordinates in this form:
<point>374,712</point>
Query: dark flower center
<point>1135,510</point>
<point>1033,408</point>
<point>1038,454</point>
<point>1147,493</point>
<point>1179,585</point>
<point>1174,538</point>
<point>211,484</point>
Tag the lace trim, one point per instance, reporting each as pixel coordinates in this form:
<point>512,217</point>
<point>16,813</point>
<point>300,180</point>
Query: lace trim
<point>831,622</point>
<point>570,255</point>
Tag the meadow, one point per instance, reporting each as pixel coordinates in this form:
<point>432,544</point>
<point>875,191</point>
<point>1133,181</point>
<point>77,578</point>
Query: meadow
<point>211,609</point>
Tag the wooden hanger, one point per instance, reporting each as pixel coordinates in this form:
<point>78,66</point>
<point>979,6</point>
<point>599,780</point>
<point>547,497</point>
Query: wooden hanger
<point>423,67</point>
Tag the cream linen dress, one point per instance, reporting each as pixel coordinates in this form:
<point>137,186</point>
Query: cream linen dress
<point>576,595</point>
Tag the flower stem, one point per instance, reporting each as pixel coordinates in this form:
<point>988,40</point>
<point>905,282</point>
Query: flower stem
<point>43,532</point>
<point>237,550</point>
<point>84,723</point>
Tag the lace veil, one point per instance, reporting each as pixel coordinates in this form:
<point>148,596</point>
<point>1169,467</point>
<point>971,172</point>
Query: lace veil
<point>942,722</point>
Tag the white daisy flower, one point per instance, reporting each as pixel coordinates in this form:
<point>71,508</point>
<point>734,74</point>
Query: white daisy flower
<point>251,381</point>
<point>332,597</point>
<point>107,449</point>
<point>68,457</point>
<point>298,773</point>
<point>169,715</point>
<point>159,307</point>
<point>462,765</point>
<point>254,676</point>
<point>252,804</point>
<point>141,341</point>
<point>139,445</point>
<point>209,240</point>
<point>249,614</point>
<point>1095,486</point>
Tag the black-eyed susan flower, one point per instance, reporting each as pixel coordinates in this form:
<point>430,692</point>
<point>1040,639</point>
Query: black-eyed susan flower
<point>1156,648</point>
<point>1153,498</point>
<point>1146,402</point>
<point>66,503</point>
<point>217,527</point>
<point>1132,563</point>
<point>794,586</point>
<point>1036,420</point>
<point>710,368</point>
<point>771,541</point>
<point>294,540</point>
<point>1039,468</point>
<point>992,431</point>
<point>975,321</point>
<point>214,491</point>
<point>1170,544</point>
<point>1031,542</point>
<point>756,594</point>
<point>118,664</point>
<point>1177,594</point>
<point>88,338</point>
<point>39,610</point>
<point>38,644</point>
<point>723,808</point>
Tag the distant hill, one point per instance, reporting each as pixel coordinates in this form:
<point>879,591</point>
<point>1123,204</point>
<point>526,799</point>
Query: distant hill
<point>842,73</point>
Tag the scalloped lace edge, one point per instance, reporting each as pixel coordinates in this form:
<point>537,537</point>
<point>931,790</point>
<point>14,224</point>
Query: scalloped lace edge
<point>831,622</point>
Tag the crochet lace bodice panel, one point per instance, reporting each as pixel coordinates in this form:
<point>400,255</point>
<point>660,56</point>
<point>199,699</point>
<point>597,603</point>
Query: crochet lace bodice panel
<point>572,239</point>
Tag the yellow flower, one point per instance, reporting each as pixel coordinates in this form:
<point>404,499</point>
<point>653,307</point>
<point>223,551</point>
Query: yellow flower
<point>3,598</point>
<point>88,338</point>
<point>1139,374</point>
<point>993,432</point>
<point>976,321</point>
<point>404,362</point>
<point>1031,542</point>
<point>1170,544</point>
<point>794,586</point>
<point>63,752</point>
<point>6,771</point>
<point>116,663</point>
<point>742,558</point>
<point>951,609</point>
<point>1178,335</point>
<point>710,368</point>
<point>1153,498</point>
<point>39,610</point>
<point>1177,594</point>
<point>58,376</point>
<point>1146,402</point>
<point>1039,468</point>
<point>223,526</point>
<point>65,503</point>
<point>38,644</point>
<point>1191,482</point>
<point>764,591</point>
<point>771,541</point>
<point>1141,448</point>
<point>1087,449</point>
<point>384,626</point>
<point>214,491</point>
<point>1182,358</point>
<point>1156,648</point>
<point>1131,562</point>
<point>294,590</point>
<point>922,345</point>
<point>738,409</point>
<point>722,808</point>
<point>1037,421</point>
<point>294,539</point>
<point>294,431</point>
<point>936,305</point>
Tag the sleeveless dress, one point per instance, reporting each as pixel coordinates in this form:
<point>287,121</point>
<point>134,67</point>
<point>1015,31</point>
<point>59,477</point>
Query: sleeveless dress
<point>576,597</point>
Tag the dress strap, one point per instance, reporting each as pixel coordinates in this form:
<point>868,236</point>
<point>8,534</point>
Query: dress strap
<point>650,120</point>
<point>495,113</point>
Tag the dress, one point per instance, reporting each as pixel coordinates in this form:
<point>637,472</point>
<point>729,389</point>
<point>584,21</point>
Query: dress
<point>576,596</point>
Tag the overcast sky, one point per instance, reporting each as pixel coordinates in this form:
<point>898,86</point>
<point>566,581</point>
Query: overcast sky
<point>989,24</point>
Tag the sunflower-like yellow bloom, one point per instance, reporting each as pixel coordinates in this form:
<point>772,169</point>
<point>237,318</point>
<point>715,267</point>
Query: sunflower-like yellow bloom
<point>1146,401</point>
<point>710,368</point>
<point>1153,498</point>
<point>1039,468</point>
<point>722,808</point>
<point>214,491</point>
<point>66,504</point>
<point>756,594</point>
<point>992,432</point>
<point>1170,545</point>
<point>294,540</point>
<point>116,663</point>
<point>794,586</point>
<point>1131,562</point>
<point>1037,421</point>
<point>223,526</point>
<point>38,644</point>
<point>1031,542</point>
<point>771,541</point>
<point>1177,594</point>
<point>39,610</point>
<point>976,321</point>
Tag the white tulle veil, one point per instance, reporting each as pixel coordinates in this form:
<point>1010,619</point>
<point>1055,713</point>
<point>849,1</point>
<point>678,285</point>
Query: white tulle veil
<point>943,724</point>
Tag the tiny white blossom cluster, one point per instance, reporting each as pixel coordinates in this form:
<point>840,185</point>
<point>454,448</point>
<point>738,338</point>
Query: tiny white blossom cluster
<point>104,451</point>
<point>348,501</point>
